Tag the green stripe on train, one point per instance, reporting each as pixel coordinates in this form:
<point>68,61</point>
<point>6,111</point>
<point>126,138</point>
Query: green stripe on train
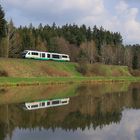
<point>50,59</point>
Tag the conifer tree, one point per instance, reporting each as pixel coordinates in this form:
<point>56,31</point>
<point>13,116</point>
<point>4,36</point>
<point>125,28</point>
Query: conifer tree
<point>3,42</point>
<point>2,23</point>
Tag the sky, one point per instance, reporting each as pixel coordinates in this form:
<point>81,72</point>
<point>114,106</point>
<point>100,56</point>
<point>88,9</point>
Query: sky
<point>115,15</point>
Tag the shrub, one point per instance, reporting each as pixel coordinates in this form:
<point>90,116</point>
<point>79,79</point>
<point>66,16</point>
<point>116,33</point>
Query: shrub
<point>135,72</point>
<point>3,73</point>
<point>82,67</point>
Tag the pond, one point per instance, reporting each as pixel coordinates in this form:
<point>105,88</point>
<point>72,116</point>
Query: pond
<point>109,111</point>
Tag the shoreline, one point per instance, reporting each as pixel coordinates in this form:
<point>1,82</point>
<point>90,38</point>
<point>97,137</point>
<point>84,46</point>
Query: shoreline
<point>36,81</point>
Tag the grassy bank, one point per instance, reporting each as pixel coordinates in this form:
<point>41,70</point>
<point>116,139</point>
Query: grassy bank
<point>32,72</point>
<point>4,81</point>
<point>36,68</point>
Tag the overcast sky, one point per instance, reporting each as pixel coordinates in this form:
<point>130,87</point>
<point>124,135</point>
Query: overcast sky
<point>116,15</point>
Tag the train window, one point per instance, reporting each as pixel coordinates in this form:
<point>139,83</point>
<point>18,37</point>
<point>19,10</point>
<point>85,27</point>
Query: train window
<point>55,102</point>
<point>43,104</point>
<point>34,53</point>
<point>43,54</point>
<point>64,56</point>
<point>48,55</point>
<point>29,106</point>
<point>64,102</point>
<point>48,103</point>
<point>28,53</point>
<point>24,53</point>
<point>34,106</point>
<point>55,56</point>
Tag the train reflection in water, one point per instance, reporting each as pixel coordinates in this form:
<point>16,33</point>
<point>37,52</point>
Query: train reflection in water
<point>46,103</point>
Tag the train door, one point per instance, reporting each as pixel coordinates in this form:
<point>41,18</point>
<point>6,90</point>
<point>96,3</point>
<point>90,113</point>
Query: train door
<point>48,55</point>
<point>42,55</point>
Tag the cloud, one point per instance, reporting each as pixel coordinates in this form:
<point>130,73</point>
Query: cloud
<point>52,5</point>
<point>128,128</point>
<point>123,19</point>
<point>128,23</point>
<point>115,15</point>
<point>122,7</point>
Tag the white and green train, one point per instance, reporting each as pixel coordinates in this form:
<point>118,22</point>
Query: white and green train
<point>45,104</point>
<point>45,55</point>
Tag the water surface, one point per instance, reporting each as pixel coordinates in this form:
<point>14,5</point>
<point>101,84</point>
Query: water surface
<point>95,111</point>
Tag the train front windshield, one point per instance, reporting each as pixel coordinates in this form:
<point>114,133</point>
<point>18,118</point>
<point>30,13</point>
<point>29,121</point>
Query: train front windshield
<point>24,53</point>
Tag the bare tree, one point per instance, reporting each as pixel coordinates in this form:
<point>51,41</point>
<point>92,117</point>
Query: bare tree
<point>89,48</point>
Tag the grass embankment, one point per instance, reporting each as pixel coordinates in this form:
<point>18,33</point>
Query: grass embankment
<point>25,72</point>
<point>36,68</point>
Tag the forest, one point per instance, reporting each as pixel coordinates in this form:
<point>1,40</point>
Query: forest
<point>82,43</point>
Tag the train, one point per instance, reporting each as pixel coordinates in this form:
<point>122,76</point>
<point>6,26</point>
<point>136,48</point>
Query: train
<point>40,55</point>
<point>45,104</point>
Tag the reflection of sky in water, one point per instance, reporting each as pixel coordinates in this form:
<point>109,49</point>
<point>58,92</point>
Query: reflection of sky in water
<point>127,129</point>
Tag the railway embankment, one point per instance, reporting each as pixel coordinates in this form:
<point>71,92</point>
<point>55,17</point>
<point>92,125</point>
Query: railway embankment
<point>28,71</point>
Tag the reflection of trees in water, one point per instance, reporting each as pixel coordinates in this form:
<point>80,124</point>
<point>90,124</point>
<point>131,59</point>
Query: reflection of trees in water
<point>87,110</point>
<point>76,120</point>
<point>136,98</point>
<point>3,130</point>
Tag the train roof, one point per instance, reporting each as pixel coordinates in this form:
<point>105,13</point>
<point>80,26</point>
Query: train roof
<point>45,52</point>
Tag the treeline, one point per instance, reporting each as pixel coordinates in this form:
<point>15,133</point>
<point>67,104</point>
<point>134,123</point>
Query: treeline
<point>80,42</point>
